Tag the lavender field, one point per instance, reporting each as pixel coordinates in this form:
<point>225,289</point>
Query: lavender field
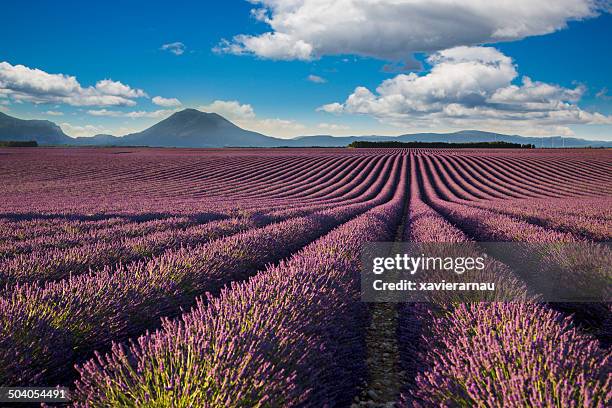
<point>231,277</point>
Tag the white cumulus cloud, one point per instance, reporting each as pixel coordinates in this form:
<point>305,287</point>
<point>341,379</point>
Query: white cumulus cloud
<point>334,107</point>
<point>395,29</point>
<point>244,116</point>
<point>166,102</point>
<point>82,130</point>
<point>232,110</point>
<point>110,87</point>
<point>24,84</point>
<point>471,87</point>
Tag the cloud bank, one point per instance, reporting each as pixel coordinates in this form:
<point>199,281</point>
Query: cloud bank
<point>82,130</point>
<point>24,84</point>
<point>395,29</point>
<point>471,87</point>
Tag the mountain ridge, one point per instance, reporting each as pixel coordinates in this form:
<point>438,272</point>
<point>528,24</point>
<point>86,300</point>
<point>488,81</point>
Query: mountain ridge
<point>193,128</point>
<point>196,129</point>
<point>22,130</point>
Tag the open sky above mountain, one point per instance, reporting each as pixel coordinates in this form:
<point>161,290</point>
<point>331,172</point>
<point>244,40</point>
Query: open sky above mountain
<point>297,67</point>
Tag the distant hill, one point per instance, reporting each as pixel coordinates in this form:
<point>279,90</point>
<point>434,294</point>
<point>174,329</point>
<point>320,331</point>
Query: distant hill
<point>464,136</point>
<point>193,128</point>
<point>475,136</point>
<point>42,131</point>
<point>98,140</point>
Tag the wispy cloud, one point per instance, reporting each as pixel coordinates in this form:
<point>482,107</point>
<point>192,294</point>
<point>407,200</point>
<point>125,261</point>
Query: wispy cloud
<point>333,126</point>
<point>177,48</point>
<point>603,94</point>
<point>132,114</point>
<point>316,79</point>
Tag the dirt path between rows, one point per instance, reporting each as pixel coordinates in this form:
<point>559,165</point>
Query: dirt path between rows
<point>385,377</point>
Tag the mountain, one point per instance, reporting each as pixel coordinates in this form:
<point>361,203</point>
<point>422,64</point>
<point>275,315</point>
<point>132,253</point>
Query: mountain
<point>464,136</point>
<point>98,140</point>
<point>467,136</point>
<point>193,128</point>
<point>187,128</point>
<point>42,131</point>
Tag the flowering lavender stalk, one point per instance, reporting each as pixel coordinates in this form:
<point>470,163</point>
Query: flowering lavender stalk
<point>292,335</point>
<point>510,355</point>
<point>73,234</point>
<point>594,226</point>
<point>86,312</point>
<point>494,354</point>
<point>42,266</point>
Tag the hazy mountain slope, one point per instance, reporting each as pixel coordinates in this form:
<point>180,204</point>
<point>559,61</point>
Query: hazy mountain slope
<point>98,140</point>
<point>192,128</point>
<point>465,136</point>
<point>42,131</point>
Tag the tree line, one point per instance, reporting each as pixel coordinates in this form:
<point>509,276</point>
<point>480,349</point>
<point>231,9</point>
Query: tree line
<point>441,145</point>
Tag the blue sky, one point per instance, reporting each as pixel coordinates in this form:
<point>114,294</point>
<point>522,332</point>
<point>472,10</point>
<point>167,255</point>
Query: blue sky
<point>289,68</point>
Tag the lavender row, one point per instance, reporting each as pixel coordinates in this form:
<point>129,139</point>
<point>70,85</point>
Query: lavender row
<point>72,235</point>
<point>45,329</point>
<point>54,265</point>
<point>69,230</point>
<point>591,227</point>
<point>149,179</point>
<point>291,336</point>
<point>425,226</point>
<point>32,229</point>
<point>575,270</point>
<point>563,272</point>
<point>494,354</point>
<point>502,355</point>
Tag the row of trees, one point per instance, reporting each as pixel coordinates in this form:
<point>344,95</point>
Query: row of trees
<point>439,145</point>
<point>11,143</point>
